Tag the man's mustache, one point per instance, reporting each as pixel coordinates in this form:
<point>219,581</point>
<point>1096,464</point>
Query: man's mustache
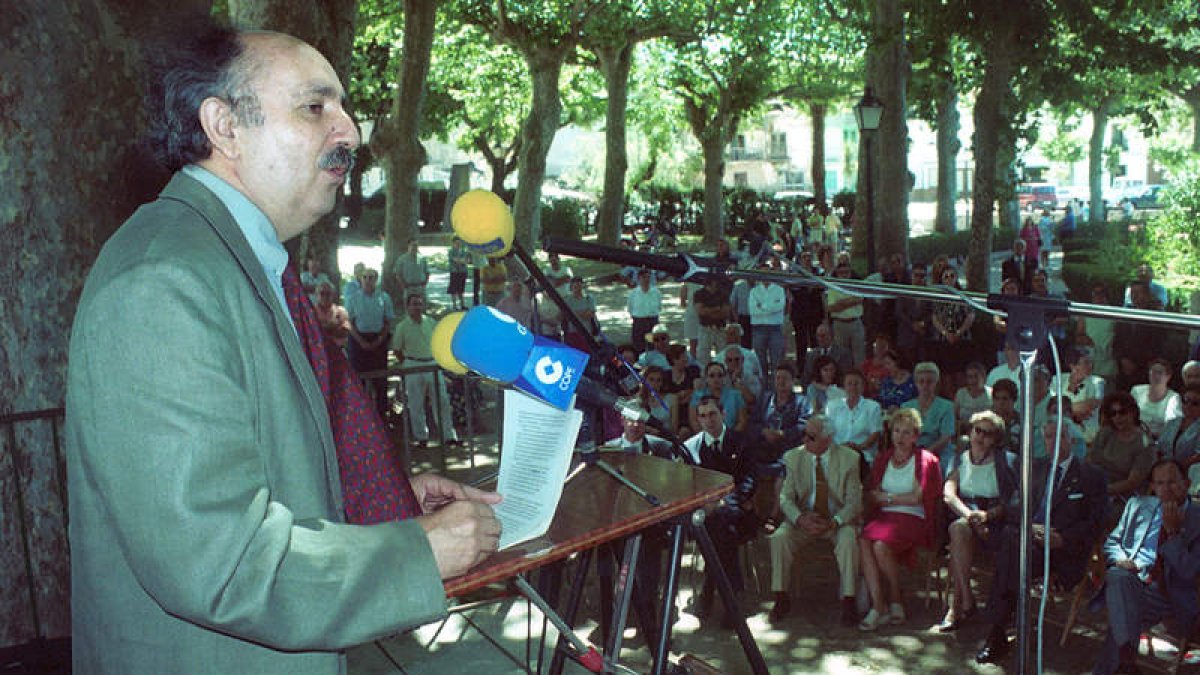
<point>341,157</point>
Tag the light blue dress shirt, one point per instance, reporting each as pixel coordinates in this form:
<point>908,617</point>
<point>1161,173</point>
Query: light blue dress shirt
<point>254,224</point>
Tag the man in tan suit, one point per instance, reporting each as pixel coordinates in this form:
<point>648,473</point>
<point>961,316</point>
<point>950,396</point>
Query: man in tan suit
<point>821,498</point>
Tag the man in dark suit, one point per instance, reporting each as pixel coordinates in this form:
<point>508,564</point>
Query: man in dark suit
<point>1076,511</point>
<point>720,448</point>
<point>1019,267</point>
<point>1153,558</point>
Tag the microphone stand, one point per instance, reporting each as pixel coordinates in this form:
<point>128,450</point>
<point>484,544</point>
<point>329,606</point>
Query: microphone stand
<point>1027,331</point>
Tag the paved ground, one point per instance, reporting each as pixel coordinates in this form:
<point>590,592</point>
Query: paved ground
<point>810,641</point>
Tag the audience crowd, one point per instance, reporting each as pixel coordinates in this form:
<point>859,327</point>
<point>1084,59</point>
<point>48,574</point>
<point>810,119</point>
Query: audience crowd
<point>891,431</point>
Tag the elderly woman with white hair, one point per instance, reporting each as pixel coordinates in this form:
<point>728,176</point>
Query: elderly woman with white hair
<point>980,486</point>
<point>937,413</point>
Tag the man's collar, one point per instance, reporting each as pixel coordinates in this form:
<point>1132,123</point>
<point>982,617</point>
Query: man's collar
<point>709,439</point>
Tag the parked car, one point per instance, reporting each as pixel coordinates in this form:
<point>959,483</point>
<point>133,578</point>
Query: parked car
<point>1122,188</point>
<point>1069,193</point>
<point>1037,196</point>
<point>1148,198</point>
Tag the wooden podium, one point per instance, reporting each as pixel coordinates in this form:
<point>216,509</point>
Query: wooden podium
<point>596,509</point>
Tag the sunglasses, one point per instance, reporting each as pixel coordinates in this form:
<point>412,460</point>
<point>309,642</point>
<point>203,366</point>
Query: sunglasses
<point>982,431</point>
<point>1118,411</point>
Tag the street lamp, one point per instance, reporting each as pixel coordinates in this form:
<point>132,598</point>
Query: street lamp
<point>867,113</point>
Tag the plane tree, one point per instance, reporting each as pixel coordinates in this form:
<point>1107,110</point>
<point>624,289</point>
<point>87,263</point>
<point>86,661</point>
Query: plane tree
<point>546,34</point>
<point>726,72</point>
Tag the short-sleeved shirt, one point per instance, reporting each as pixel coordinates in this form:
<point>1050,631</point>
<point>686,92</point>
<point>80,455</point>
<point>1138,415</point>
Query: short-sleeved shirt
<point>936,423</point>
<point>371,313</point>
<point>1118,458</point>
<point>458,259</point>
<point>414,340</point>
<point>731,399</point>
<point>413,269</point>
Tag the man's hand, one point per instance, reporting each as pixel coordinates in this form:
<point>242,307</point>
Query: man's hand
<point>813,523</point>
<point>461,534</point>
<point>434,491</point>
<point>1172,518</point>
<point>1126,564</point>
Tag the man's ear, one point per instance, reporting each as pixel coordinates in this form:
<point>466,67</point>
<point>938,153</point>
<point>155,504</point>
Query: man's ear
<point>216,118</point>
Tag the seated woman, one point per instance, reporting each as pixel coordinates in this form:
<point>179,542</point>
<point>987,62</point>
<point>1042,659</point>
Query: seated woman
<point>1085,392</point>
<point>937,413</point>
<point>1180,438</point>
<point>677,384</point>
<point>874,369</point>
<point>651,395</point>
<point>903,499</point>
<point>716,384</point>
<point>1004,404</point>
<point>824,386</point>
<point>1120,449</point>
<point>897,386</point>
<point>975,396</point>
<point>1156,403</point>
<point>980,484</point>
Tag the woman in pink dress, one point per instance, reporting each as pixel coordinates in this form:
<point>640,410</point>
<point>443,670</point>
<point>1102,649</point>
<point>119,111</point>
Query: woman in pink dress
<point>903,500</point>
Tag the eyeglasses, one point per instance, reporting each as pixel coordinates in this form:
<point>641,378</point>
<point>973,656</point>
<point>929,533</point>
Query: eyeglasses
<point>982,431</point>
<point>810,437</point>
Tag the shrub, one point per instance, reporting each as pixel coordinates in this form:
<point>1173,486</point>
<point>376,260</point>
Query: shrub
<point>564,217</point>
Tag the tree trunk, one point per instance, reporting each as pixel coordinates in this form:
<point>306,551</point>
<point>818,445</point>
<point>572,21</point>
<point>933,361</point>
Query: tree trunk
<point>713,143</point>
<point>537,134</point>
<point>1100,115</point>
<point>948,146</point>
<point>888,70</point>
<point>1007,206</point>
<point>990,122</point>
<point>71,171</point>
<point>397,141</point>
<point>615,63</point>
<point>817,112</point>
<point>327,25</point>
<point>1192,98</point>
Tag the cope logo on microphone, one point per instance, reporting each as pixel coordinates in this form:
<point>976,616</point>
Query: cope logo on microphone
<point>547,370</point>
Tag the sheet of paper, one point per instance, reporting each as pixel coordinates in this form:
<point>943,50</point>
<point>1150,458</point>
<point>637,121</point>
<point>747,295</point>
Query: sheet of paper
<point>535,453</point>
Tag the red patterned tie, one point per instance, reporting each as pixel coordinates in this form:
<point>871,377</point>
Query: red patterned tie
<point>375,488</point>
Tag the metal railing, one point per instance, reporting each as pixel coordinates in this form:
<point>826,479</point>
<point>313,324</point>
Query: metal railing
<point>473,387</point>
<point>28,618</point>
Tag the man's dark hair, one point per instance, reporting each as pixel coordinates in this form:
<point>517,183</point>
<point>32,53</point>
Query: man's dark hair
<point>197,60</point>
<point>1168,460</point>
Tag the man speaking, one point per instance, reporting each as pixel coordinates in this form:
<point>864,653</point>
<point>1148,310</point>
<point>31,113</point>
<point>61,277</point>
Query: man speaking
<point>210,433</point>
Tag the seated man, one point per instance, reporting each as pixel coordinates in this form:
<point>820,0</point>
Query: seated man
<point>721,448</point>
<point>1076,511</point>
<point>821,498</point>
<point>635,440</point>
<point>1153,556</point>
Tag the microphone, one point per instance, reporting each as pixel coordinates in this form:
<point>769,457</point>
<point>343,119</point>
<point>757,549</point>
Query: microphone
<point>494,345</point>
<point>683,267</point>
<point>484,222</point>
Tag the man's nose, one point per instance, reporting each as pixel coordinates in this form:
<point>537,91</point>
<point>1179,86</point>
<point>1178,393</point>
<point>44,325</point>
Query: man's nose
<point>345,130</point>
